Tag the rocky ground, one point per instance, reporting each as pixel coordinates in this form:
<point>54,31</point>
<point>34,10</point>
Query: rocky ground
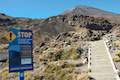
<point>62,58</point>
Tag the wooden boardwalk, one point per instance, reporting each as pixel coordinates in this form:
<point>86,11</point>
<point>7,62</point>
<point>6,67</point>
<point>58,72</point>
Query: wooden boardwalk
<point>101,67</point>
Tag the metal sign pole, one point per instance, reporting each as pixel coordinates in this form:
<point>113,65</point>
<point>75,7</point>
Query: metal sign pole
<point>21,75</point>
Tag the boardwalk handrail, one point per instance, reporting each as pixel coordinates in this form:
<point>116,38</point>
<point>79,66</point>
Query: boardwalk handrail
<point>89,62</point>
<point>114,68</point>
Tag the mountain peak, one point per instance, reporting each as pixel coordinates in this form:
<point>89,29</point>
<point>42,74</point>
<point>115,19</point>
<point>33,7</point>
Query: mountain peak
<point>91,11</point>
<point>86,10</point>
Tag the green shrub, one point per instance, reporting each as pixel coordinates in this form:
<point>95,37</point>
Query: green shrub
<point>116,59</point>
<point>60,55</point>
<point>59,72</point>
<point>117,52</point>
<point>71,54</point>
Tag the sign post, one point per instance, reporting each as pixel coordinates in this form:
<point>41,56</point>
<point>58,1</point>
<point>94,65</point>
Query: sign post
<point>20,51</point>
<point>21,75</point>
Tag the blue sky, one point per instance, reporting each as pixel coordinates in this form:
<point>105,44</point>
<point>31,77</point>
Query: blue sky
<point>46,8</point>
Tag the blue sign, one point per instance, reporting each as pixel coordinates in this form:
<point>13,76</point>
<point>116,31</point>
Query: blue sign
<point>20,51</point>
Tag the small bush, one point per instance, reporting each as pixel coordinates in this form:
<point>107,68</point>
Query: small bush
<point>116,59</point>
<point>61,71</point>
<point>58,72</point>
<point>71,54</point>
<point>60,55</point>
<point>116,43</point>
<point>117,52</point>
